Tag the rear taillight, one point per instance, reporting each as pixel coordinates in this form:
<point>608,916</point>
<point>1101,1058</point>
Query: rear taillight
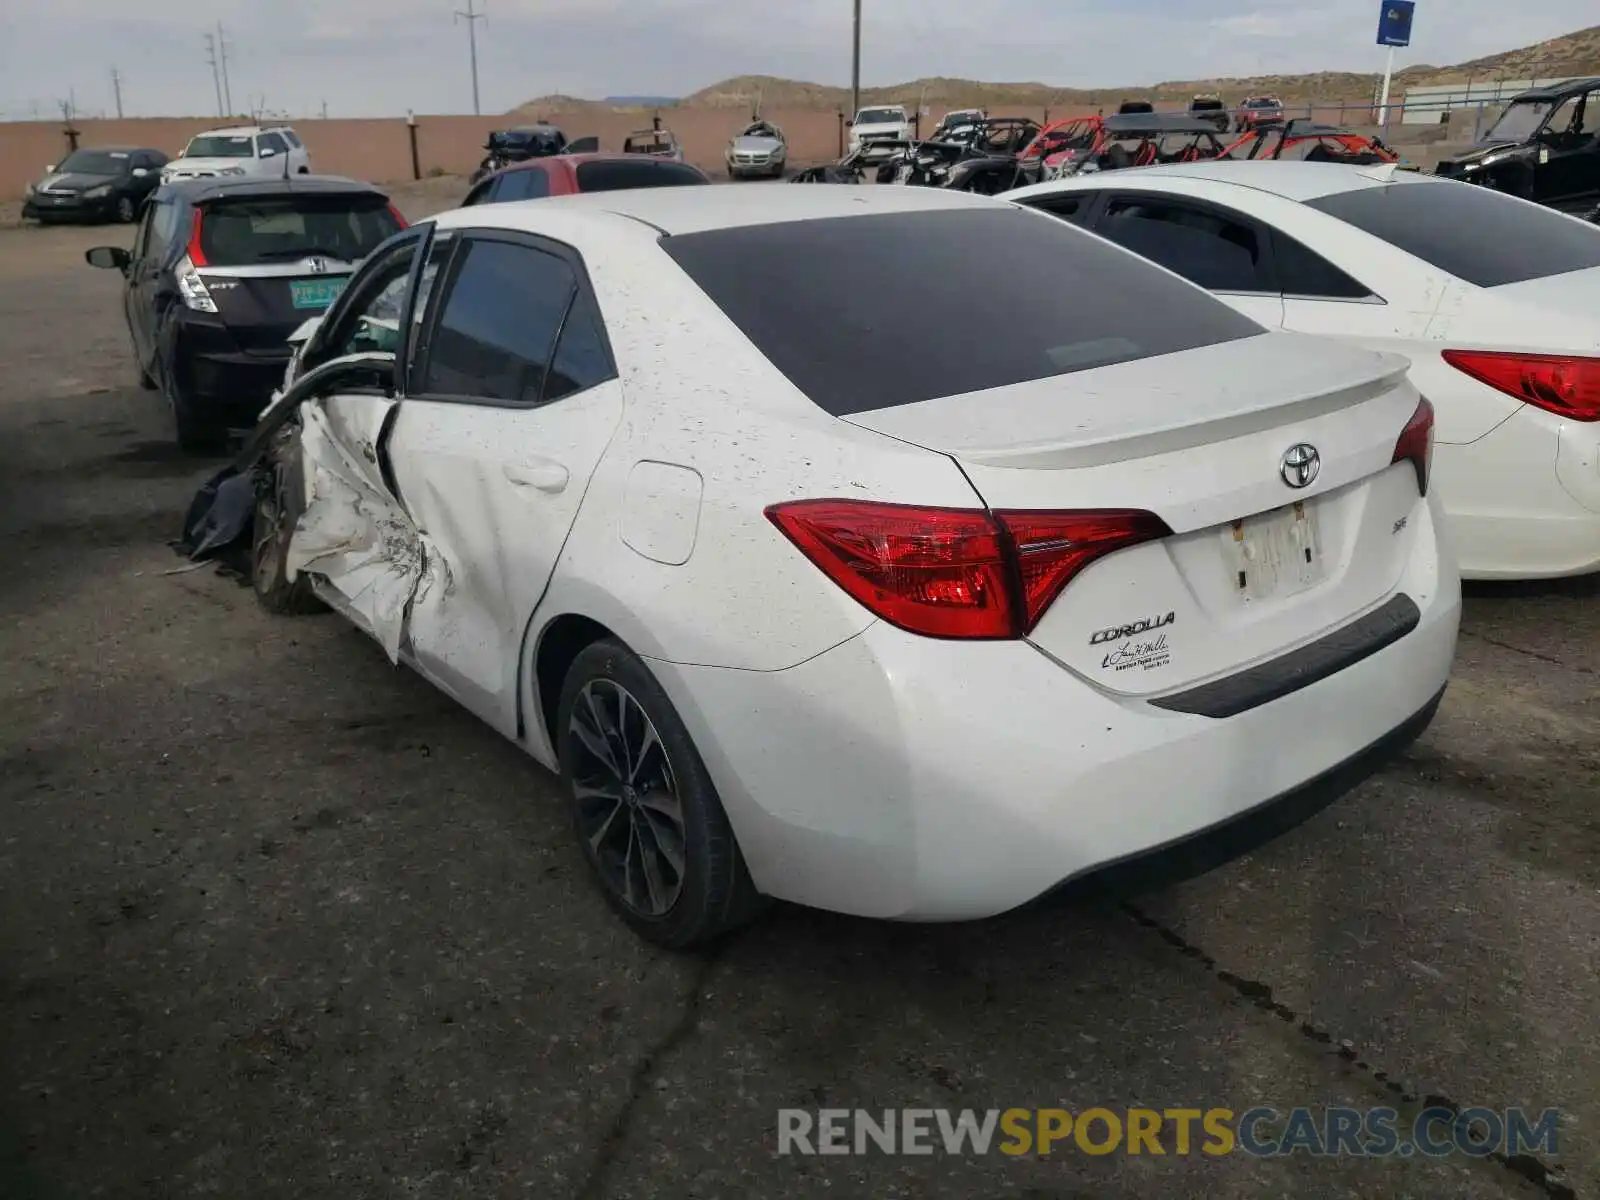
<point>398,219</point>
<point>1416,444</point>
<point>956,573</point>
<point>197,256</point>
<point>1566,385</point>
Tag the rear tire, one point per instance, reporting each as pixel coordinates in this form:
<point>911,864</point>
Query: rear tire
<point>193,435</point>
<point>270,532</point>
<point>126,210</point>
<point>647,816</point>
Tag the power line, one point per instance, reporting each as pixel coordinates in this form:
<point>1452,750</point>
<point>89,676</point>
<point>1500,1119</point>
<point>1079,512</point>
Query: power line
<point>472,19</point>
<point>116,90</point>
<point>216,77</point>
<point>222,55</point>
<point>855,66</point>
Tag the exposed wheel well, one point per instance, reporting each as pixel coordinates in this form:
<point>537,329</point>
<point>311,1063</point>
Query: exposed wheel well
<point>563,641</point>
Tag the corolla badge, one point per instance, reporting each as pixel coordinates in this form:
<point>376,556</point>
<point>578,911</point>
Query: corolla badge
<point>1300,465</point>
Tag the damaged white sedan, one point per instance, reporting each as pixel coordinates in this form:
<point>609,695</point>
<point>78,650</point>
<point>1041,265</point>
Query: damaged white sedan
<point>666,487</point>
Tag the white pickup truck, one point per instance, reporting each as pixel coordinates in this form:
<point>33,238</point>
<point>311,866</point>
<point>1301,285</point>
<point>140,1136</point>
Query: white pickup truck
<point>885,122</point>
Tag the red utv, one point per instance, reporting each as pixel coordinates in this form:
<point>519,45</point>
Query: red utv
<point>1304,141</point>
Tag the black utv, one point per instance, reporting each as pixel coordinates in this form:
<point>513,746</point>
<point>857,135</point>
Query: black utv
<point>1544,147</point>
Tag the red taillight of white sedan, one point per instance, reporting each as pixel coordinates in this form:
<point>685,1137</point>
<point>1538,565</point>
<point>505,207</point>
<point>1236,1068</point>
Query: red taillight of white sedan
<point>956,573</point>
<point>1566,385</point>
<point>1416,444</point>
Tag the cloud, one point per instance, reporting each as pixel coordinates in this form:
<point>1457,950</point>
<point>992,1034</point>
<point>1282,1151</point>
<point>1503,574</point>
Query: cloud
<point>376,57</point>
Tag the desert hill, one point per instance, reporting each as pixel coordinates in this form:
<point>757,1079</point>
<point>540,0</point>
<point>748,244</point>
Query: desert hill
<point>1571,54</point>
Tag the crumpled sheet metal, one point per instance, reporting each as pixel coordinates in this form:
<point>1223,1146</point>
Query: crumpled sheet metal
<point>353,533</point>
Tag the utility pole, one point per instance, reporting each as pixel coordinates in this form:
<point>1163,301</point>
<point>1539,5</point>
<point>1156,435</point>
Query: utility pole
<point>324,110</point>
<point>855,67</point>
<point>222,56</point>
<point>216,77</point>
<point>472,18</point>
<point>116,90</point>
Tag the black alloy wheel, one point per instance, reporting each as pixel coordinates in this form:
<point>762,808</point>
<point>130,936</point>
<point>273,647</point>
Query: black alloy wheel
<point>648,818</point>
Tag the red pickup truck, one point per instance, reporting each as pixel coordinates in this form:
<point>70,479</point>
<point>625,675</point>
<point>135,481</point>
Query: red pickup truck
<point>1259,111</point>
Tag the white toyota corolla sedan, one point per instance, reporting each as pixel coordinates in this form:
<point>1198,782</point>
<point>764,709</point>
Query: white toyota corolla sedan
<point>832,550</point>
<point>1495,301</point>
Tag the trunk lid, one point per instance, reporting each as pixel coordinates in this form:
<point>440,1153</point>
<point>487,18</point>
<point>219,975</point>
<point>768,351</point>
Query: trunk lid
<point>1254,566</point>
<point>1567,304</point>
<point>263,305</point>
<point>271,261</point>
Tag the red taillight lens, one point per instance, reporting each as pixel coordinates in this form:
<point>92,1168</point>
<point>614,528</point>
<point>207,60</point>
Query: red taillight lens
<point>196,255</point>
<point>1052,547</point>
<point>398,218</point>
<point>1416,444</point>
<point>1566,385</point>
<point>955,573</point>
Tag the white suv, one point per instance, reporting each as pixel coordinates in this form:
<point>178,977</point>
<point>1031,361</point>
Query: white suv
<point>268,152</point>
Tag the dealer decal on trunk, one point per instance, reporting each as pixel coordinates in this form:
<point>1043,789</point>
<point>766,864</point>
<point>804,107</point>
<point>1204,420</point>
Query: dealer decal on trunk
<point>1142,648</point>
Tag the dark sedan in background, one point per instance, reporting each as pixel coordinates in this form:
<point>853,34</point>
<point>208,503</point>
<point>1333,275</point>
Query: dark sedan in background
<point>108,183</point>
<point>222,271</point>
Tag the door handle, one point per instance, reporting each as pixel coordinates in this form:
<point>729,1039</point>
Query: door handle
<point>547,477</point>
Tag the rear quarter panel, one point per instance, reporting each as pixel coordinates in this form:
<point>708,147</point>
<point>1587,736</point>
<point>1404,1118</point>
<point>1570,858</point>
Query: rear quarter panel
<point>704,411</point>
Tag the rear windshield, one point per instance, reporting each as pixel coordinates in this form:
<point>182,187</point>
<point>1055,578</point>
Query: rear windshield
<point>614,176</point>
<point>1474,233</point>
<point>844,306</point>
<point>880,116</point>
<point>220,147</point>
<point>270,229</point>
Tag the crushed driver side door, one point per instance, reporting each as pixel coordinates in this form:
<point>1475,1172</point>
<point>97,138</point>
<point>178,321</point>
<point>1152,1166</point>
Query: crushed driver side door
<point>352,535</point>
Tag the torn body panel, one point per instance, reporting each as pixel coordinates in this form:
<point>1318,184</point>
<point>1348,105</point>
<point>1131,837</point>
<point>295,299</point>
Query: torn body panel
<point>353,534</point>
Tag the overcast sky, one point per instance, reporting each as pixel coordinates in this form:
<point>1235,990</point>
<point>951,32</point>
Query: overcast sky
<point>379,57</point>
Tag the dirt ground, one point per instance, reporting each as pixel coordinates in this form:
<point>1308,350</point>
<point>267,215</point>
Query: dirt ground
<point>279,920</point>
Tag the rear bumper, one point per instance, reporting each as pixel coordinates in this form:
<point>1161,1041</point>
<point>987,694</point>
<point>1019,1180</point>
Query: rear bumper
<point>904,777</point>
<point>223,384</point>
<point>1523,501</point>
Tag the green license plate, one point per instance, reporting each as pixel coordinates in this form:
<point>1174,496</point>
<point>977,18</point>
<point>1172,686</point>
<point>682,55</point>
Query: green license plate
<point>316,293</point>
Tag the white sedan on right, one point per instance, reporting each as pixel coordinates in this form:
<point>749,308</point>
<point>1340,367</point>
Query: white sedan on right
<point>1496,302</point>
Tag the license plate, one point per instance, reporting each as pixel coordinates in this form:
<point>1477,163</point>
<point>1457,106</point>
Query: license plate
<point>315,293</point>
<point>1277,553</point>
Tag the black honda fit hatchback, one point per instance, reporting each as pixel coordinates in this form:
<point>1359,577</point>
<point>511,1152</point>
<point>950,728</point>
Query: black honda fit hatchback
<point>222,271</point>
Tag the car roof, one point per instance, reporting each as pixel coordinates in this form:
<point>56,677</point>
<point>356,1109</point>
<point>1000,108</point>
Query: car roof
<point>574,160</point>
<point>1557,90</point>
<point>238,130</point>
<point>1299,181</point>
<point>684,210</point>
<point>120,149</point>
<point>201,191</point>
<point>1154,122</point>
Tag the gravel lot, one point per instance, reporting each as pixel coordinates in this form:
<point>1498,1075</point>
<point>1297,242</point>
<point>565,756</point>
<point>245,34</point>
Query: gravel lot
<point>277,919</point>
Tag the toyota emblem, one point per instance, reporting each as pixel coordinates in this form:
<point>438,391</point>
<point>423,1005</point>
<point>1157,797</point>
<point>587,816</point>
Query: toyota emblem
<point>1300,465</point>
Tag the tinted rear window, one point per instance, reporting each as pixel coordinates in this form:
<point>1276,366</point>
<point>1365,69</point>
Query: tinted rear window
<point>616,175</point>
<point>851,308</point>
<point>1472,232</point>
<point>272,229</point>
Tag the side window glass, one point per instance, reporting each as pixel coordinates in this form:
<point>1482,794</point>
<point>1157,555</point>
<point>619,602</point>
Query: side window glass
<point>163,224</point>
<point>271,141</point>
<point>533,183</point>
<point>581,359</point>
<point>496,330</point>
<point>1304,272</point>
<point>1069,208</point>
<point>1204,248</point>
<point>444,241</point>
<point>372,319</point>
